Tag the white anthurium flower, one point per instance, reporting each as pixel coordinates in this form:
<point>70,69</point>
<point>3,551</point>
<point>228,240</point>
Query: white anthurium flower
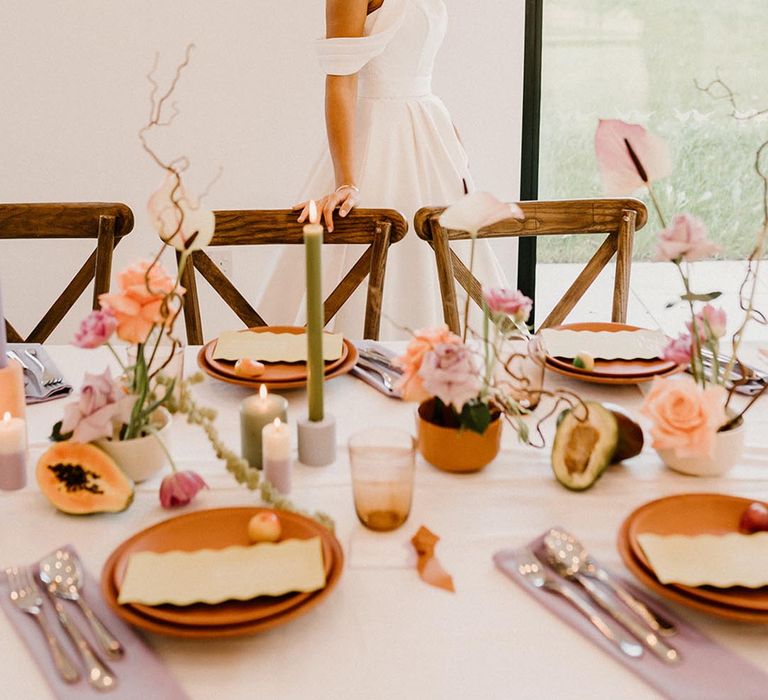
<point>477,210</point>
<point>177,218</point>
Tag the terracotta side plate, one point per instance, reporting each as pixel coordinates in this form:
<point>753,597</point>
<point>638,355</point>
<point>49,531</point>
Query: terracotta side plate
<point>216,529</point>
<point>612,371</point>
<point>350,359</point>
<point>695,514</point>
<point>647,578</point>
<point>274,371</point>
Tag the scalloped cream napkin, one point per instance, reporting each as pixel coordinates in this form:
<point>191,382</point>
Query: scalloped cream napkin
<point>642,344</point>
<point>273,347</point>
<point>215,575</point>
<point>708,560</point>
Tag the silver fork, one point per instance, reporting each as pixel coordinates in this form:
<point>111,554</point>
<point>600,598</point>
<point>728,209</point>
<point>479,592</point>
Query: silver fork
<point>26,597</point>
<point>47,378</point>
<point>531,569</point>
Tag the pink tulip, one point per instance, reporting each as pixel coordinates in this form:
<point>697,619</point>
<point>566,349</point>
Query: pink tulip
<point>449,372</point>
<point>684,239</point>
<point>477,210</point>
<point>710,322</point>
<point>511,303</point>
<point>678,350</point>
<point>180,488</point>
<point>96,329</point>
<point>620,173</point>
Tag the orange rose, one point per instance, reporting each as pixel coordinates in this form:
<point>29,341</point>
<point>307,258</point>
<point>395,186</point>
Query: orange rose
<point>685,416</point>
<point>138,307</point>
<point>425,340</point>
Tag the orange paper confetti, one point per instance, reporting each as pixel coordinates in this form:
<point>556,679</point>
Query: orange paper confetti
<point>430,569</point>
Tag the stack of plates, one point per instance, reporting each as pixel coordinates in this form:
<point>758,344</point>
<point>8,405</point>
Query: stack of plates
<point>277,375</point>
<point>612,371</point>
<point>217,529</point>
<point>692,514</point>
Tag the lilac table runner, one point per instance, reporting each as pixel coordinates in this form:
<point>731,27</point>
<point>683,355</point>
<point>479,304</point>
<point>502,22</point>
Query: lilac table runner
<point>707,670</point>
<point>140,673</point>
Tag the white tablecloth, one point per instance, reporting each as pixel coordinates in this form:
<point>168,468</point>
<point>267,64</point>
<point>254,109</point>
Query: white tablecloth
<point>383,633</point>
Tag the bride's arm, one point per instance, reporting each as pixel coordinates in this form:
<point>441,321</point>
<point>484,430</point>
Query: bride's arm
<point>344,18</point>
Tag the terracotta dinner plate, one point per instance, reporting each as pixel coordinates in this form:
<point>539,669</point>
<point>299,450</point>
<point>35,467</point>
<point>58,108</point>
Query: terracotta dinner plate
<point>349,360</point>
<point>696,514</point>
<point>274,371</point>
<point>671,592</point>
<point>612,371</point>
<point>216,529</point>
<point>133,617</point>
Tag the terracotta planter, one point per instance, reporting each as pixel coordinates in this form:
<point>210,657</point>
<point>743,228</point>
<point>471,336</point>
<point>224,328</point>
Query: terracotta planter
<point>141,458</point>
<point>729,446</point>
<point>454,450</point>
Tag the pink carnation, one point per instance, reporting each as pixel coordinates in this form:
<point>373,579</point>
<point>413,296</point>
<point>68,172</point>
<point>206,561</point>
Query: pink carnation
<point>710,323</point>
<point>180,488</point>
<point>678,350</point>
<point>685,239</point>
<point>96,329</point>
<point>513,303</point>
<point>449,373</point>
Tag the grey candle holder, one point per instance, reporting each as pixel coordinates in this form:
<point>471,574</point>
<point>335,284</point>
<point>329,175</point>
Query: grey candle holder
<point>317,441</point>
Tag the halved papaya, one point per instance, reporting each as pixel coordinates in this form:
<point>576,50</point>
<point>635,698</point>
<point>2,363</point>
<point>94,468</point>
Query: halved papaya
<point>80,479</point>
<point>584,445</point>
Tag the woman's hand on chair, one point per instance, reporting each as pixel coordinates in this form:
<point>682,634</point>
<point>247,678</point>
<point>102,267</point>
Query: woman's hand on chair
<point>343,199</point>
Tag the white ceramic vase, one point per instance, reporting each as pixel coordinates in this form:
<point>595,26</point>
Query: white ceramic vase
<point>142,458</point>
<point>729,446</point>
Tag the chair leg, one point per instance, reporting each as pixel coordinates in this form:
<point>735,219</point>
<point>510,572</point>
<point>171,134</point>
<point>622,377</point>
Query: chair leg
<point>626,239</point>
<point>192,320</point>
<point>445,277</point>
<point>105,244</point>
<point>379,250</point>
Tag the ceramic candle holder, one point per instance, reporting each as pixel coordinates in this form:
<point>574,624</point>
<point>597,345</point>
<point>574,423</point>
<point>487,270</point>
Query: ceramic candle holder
<point>317,441</point>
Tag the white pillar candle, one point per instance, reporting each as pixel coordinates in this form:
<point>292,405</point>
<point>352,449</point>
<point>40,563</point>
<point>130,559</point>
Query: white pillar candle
<point>276,455</point>
<point>256,412</point>
<point>13,453</point>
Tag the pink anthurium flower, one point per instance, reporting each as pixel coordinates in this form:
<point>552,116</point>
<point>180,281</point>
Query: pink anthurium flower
<point>477,210</point>
<point>629,157</point>
<point>178,218</point>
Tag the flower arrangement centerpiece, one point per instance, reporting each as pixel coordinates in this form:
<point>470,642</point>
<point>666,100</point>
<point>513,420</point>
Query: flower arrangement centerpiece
<point>131,410</point>
<point>694,421</point>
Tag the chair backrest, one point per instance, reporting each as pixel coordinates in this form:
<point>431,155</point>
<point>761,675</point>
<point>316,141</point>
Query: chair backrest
<point>618,218</point>
<point>376,228</point>
<point>106,223</point>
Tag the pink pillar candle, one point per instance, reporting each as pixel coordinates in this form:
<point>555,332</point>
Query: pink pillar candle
<point>276,455</point>
<point>12,389</point>
<point>13,453</point>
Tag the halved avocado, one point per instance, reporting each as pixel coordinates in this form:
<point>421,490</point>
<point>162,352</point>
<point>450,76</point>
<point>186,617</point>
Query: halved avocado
<point>630,435</point>
<point>584,447</point>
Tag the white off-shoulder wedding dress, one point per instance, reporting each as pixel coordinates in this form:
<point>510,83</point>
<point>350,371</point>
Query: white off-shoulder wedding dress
<point>409,157</point>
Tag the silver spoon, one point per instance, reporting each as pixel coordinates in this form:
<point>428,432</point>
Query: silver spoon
<point>63,574</point>
<point>580,558</point>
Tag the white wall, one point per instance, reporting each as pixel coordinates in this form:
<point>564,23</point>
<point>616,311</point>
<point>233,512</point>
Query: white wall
<point>74,95</point>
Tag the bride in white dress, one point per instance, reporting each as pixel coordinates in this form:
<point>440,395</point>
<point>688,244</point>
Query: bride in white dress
<point>392,144</point>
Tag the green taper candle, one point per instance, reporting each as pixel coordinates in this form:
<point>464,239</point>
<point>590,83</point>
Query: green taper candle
<point>313,243</point>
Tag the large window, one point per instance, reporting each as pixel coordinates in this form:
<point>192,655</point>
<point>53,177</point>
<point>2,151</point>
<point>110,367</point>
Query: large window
<point>639,60</point>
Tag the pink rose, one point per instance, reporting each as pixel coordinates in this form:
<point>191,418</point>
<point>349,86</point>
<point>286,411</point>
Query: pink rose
<point>449,372</point>
<point>180,488</point>
<point>101,408</point>
<point>512,303</point>
<point>685,239</point>
<point>678,350</point>
<point>96,329</point>
<point>410,384</point>
<point>685,416</point>
<point>710,322</point>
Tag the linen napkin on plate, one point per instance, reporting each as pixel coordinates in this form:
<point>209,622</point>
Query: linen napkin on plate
<point>35,378</point>
<point>707,670</point>
<point>140,672</point>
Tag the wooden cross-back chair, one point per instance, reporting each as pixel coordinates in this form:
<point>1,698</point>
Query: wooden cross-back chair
<point>376,228</point>
<point>106,223</point>
<point>618,218</point>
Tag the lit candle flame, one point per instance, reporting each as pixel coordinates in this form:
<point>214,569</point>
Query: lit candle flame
<point>313,217</point>
<point>263,392</point>
<point>7,417</point>
<point>278,423</point>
